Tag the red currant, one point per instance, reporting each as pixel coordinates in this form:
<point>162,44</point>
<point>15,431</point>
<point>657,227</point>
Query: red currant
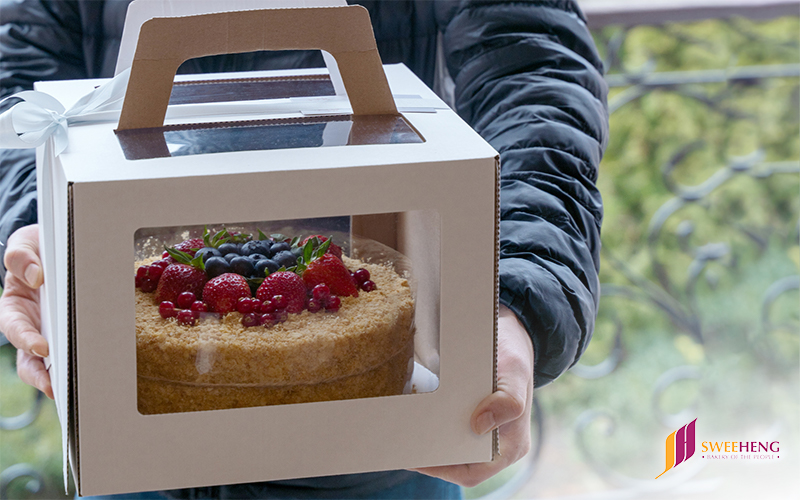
<point>314,305</point>
<point>142,272</point>
<point>267,320</point>
<point>167,309</point>
<point>245,305</point>
<point>333,304</point>
<point>280,302</point>
<point>266,307</point>
<point>149,285</point>
<point>250,319</point>
<point>368,286</point>
<point>361,275</point>
<point>185,300</point>
<point>199,306</point>
<point>321,292</point>
<point>154,273</point>
<point>186,317</point>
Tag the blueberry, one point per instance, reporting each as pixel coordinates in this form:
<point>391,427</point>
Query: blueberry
<point>266,264</point>
<point>255,247</point>
<point>279,247</point>
<point>208,252</point>
<point>216,266</point>
<point>227,248</point>
<point>255,257</point>
<point>242,265</point>
<point>229,257</point>
<point>285,258</point>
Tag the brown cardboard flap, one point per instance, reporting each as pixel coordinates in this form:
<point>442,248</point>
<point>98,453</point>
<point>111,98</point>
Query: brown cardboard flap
<point>165,43</point>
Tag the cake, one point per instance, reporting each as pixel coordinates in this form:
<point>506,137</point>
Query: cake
<point>252,347</point>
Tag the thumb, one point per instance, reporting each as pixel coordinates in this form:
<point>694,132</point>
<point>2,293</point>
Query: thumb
<point>22,256</point>
<point>514,377</point>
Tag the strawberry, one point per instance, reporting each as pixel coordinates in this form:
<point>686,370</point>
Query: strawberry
<point>287,284</point>
<point>330,270</point>
<point>333,248</point>
<point>222,293</point>
<point>179,278</point>
<point>190,246</point>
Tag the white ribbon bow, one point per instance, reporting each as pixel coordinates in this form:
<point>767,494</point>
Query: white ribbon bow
<point>30,123</point>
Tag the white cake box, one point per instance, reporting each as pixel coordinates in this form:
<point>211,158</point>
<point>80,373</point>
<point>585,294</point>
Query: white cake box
<point>423,165</point>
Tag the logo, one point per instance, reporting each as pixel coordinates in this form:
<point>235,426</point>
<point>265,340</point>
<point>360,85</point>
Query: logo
<point>679,446</point>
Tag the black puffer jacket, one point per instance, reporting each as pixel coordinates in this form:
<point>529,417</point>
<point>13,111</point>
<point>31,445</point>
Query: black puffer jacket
<point>527,78</point>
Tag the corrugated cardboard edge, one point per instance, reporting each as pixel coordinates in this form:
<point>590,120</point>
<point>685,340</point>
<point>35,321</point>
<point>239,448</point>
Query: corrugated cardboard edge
<point>496,432</point>
<point>165,43</point>
<point>72,377</point>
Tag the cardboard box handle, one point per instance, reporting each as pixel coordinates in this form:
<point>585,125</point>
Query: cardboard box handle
<point>166,42</point>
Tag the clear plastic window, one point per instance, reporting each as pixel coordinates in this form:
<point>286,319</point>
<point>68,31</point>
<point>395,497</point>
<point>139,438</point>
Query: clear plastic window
<point>285,312</point>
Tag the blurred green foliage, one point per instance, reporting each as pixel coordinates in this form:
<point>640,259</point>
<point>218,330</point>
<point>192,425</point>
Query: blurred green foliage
<point>748,371</point>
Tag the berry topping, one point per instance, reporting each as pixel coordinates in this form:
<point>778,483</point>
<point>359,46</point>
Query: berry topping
<point>163,263</point>
<point>190,246</point>
<point>255,247</point>
<point>314,305</point>
<point>333,304</point>
<point>266,266</point>
<point>149,285</point>
<point>222,293</point>
<point>255,257</point>
<point>167,309</point>
<point>279,247</point>
<point>250,319</point>
<point>265,307</point>
<point>246,305</point>
<point>328,269</point>
<point>227,248</point>
<point>287,284</point>
<point>179,278</point>
<point>321,292</point>
<point>185,300</point>
<point>208,252</point>
<point>334,249</point>
<point>218,265</point>
<point>267,319</point>
<point>361,275</point>
<point>279,301</point>
<point>186,317</point>
<point>199,306</point>
<point>285,258</point>
<point>243,266</point>
<point>368,286</point>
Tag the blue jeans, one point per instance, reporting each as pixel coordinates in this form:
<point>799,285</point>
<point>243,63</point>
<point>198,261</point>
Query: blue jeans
<point>401,485</point>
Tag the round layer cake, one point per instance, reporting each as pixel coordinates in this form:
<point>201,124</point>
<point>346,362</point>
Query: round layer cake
<point>365,349</point>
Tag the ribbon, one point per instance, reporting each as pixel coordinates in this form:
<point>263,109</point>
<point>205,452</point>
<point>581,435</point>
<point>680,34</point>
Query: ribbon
<point>38,117</point>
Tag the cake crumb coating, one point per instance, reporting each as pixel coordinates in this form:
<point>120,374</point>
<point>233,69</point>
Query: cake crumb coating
<point>363,350</point>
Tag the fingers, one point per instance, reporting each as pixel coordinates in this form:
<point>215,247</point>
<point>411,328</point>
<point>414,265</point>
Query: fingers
<point>22,257</point>
<point>19,303</point>
<point>508,409</point>
<point>514,377</point>
<point>31,370</point>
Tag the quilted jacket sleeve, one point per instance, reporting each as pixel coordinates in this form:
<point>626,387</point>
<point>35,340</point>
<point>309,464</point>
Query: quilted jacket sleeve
<point>529,80</point>
<point>39,40</point>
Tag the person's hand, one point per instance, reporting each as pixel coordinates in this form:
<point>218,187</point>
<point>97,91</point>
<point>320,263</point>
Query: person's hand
<point>19,307</point>
<point>509,408</point>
